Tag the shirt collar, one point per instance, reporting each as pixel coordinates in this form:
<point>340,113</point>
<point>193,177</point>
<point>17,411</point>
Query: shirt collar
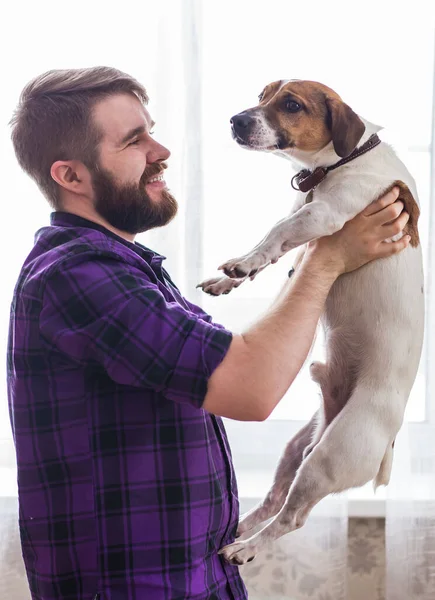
<point>65,219</point>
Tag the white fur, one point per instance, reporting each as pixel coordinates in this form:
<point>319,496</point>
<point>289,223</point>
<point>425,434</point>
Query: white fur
<point>264,136</point>
<point>373,322</point>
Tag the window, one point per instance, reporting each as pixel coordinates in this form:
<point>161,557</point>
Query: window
<point>385,72</point>
<point>247,192</point>
<point>378,57</point>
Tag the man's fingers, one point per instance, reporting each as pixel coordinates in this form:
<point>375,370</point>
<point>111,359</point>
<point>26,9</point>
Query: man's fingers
<point>396,227</point>
<point>394,247</point>
<point>382,202</point>
<point>388,214</point>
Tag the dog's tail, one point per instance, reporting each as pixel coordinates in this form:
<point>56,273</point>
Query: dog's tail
<point>384,473</point>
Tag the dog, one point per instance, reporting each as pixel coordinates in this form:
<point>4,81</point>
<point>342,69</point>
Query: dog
<point>373,318</point>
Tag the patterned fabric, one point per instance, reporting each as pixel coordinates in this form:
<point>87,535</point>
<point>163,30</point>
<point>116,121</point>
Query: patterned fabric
<point>286,572</point>
<point>264,577</point>
<point>126,485</point>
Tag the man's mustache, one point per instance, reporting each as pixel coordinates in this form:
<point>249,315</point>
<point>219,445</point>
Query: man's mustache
<point>152,171</point>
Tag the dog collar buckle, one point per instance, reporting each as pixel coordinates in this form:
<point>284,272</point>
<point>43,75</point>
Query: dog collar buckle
<point>305,180</point>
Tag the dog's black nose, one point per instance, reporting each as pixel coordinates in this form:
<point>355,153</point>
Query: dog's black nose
<point>241,123</point>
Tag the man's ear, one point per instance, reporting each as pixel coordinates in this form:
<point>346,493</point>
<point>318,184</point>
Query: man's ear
<point>71,175</point>
<point>346,127</point>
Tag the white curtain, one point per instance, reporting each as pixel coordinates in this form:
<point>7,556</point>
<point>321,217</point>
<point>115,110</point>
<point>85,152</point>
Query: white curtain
<point>309,563</point>
<point>410,513</point>
<point>410,523</point>
<point>202,62</point>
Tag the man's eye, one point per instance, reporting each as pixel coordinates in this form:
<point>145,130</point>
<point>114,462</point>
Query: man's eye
<point>134,143</point>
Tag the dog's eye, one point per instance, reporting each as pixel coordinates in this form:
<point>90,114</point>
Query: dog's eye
<point>260,97</point>
<point>292,106</point>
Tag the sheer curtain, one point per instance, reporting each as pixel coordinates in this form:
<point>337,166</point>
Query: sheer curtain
<point>140,38</point>
<point>410,523</point>
<point>202,62</point>
<point>363,55</point>
<point>410,516</point>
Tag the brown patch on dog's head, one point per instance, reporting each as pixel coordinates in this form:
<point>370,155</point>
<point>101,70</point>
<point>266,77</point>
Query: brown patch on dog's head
<point>413,210</point>
<point>308,115</point>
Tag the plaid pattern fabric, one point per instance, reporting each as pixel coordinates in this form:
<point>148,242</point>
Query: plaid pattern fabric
<point>126,485</point>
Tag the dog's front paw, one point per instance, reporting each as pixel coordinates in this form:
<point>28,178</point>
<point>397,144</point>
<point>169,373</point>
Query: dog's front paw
<point>247,266</point>
<point>238,553</point>
<point>219,285</point>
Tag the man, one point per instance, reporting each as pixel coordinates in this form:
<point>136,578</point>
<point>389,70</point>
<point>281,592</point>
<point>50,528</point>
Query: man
<point>117,382</point>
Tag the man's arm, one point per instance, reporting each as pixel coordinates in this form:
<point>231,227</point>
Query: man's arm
<point>262,363</point>
<point>100,312</point>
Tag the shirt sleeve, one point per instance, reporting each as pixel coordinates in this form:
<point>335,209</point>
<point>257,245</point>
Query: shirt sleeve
<point>203,315</point>
<point>110,313</point>
<point>193,307</point>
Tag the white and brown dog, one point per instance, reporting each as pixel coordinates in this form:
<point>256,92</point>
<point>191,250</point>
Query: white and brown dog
<point>373,318</point>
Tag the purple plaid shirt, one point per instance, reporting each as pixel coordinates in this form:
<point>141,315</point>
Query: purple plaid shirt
<point>126,485</point>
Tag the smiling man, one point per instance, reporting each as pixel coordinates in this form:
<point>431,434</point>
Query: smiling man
<point>116,382</point>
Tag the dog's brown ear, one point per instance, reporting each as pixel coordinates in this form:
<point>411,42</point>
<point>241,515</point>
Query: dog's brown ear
<point>411,208</point>
<point>345,125</point>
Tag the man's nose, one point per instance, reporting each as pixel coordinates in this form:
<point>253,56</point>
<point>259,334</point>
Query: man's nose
<point>158,153</point>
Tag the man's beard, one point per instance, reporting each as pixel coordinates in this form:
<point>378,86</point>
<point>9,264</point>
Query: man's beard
<point>128,207</point>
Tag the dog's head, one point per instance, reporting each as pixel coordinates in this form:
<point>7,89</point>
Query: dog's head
<point>298,115</point>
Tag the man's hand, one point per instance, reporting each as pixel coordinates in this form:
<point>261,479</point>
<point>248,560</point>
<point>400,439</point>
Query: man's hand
<point>362,239</point>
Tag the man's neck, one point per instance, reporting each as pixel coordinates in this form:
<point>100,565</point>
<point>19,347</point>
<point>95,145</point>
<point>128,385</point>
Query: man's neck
<point>91,215</point>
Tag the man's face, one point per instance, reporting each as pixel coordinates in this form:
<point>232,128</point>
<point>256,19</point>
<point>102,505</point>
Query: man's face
<point>129,190</point>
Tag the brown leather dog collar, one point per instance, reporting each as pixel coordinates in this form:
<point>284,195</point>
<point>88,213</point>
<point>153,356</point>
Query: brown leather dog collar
<point>307,180</point>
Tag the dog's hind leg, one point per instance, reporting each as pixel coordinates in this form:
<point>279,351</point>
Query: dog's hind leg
<point>333,398</point>
<point>284,476</point>
<point>349,455</point>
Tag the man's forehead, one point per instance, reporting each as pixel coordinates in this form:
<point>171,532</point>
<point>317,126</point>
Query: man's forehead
<point>119,114</point>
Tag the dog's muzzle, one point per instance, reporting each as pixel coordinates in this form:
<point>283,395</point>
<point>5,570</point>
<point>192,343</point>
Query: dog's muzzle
<point>241,126</point>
